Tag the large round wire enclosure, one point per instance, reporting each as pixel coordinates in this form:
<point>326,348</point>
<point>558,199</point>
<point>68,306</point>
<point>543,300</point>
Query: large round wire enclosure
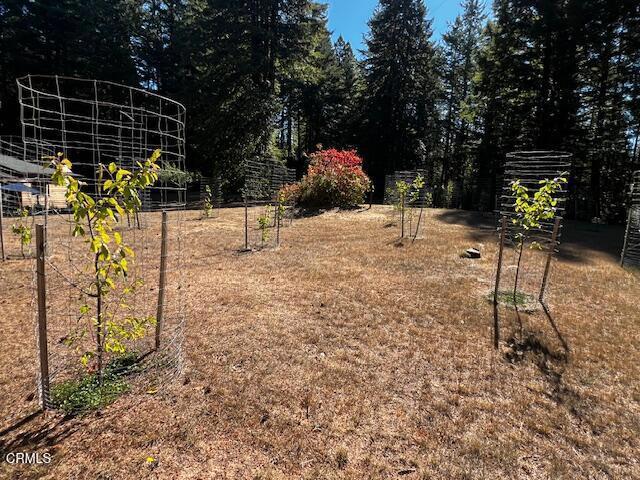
<point>631,248</point>
<point>135,327</point>
<point>530,272</point>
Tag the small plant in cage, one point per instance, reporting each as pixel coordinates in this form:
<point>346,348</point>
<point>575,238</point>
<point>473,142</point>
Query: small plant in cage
<point>407,195</point>
<point>264,225</point>
<point>207,205</point>
<point>531,212</point>
<point>112,322</point>
<point>282,206</point>
<point>22,229</point>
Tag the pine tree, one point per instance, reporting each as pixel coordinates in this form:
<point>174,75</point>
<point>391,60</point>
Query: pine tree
<point>348,97</point>
<point>461,45</point>
<point>401,90</point>
<point>89,39</point>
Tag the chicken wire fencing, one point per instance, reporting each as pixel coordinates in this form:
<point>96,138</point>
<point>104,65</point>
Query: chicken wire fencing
<point>265,211</point>
<point>93,124</point>
<point>523,280</point>
<point>408,193</point>
<point>631,248</point>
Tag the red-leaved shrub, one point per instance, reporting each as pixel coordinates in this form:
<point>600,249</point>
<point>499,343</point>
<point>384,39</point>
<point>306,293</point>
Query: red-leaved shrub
<point>335,179</point>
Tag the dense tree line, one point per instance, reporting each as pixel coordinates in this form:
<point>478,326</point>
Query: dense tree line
<point>263,77</point>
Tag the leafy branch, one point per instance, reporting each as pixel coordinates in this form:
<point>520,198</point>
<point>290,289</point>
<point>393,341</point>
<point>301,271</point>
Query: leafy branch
<point>95,221</point>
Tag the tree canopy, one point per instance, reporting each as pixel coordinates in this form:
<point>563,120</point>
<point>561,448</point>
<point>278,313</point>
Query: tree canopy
<point>263,77</point>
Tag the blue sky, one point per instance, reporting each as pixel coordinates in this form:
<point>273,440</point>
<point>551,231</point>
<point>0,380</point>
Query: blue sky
<point>349,17</point>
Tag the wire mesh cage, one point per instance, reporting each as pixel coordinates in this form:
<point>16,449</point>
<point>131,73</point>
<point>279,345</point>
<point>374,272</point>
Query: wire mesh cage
<point>631,247</point>
<point>95,124</point>
<point>409,195</point>
<point>211,198</point>
<point>531,269</point>
<point>530,168</point>
<point>265,211</point>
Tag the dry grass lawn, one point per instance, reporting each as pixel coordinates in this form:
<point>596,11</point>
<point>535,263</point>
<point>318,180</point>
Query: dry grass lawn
<point>343,355</point>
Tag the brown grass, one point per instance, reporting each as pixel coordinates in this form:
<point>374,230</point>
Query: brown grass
<point>344,355</point>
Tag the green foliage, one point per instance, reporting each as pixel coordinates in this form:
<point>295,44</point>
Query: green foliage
<point>264,224</point>
<point>175,176</point>
<point>532,211</point>
<point>208,202</point>
<point>91,392</point>
<point>406,195</point>
<point>115,324</point>
<point>22,229</point>
<point>402,88</point>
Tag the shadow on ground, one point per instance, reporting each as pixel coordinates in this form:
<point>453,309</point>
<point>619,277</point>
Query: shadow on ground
<point>579,239</point>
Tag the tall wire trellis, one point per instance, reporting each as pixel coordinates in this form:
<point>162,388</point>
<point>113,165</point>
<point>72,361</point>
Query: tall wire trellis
<point>631,249</point>
<point>265,213</point>
<point>535,268</point>
<point>410,214</point>
<point>94,123</point>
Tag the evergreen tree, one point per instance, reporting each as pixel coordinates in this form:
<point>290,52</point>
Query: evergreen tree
<point>401,90</point>
<point>461,45</point>
<point>348,96</point>
<point>88,38</point>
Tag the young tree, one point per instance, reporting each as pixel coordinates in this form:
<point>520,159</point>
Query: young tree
<point>531,212</point>
<point>95,219</point>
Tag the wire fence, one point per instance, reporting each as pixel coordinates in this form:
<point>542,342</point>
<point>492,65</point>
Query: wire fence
<point>631,248</point>
<point>93,124</point>
<point>408,206</point>
<point>265,211</point>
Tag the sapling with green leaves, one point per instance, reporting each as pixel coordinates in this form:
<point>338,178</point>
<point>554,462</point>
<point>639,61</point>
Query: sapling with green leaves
<point>407,195</point>
<point>208,202</point>
<point>531,212</point>
<point>22,229</point>
<point>264,224</point>
<point>113,323</point>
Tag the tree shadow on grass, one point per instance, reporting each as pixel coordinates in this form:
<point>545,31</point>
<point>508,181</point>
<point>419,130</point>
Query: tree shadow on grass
<point>578,240</point>
<point>36,430</point>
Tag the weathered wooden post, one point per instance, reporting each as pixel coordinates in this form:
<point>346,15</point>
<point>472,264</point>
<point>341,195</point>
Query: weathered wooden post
<point>42,317</point>
<point>402,207</point>
<point>503,234</point>
<point>2,256</point>
<point>626,237</point>
<point>278,224</point>
<point>547,268</point>
<point>246,225</point>
<point>163,278</point>
<point>496,292</point>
